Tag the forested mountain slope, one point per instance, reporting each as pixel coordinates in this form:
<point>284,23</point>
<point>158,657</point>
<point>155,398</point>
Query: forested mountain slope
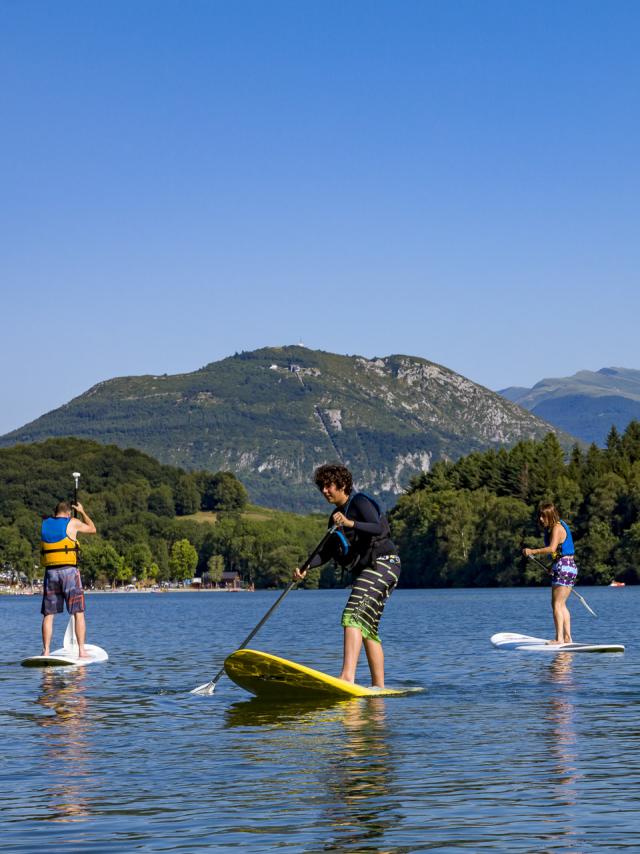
<point>272,415</point>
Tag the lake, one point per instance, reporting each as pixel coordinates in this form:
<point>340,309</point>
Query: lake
<point>504,751</point>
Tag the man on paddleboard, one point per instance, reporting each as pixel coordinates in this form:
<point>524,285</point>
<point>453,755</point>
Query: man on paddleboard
<point>363,545</point>
<point>558,542</point>
<point>62,584</point>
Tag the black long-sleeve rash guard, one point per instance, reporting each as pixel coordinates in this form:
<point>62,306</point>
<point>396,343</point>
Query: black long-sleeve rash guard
<point>367,540</point>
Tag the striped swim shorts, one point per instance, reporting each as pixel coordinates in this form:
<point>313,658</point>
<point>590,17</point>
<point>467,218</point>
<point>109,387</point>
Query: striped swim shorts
<point>564,572</point>
<point>62,585</point>
<point>369,594</point>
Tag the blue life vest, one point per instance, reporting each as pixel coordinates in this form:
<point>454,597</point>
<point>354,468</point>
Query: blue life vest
<point>564,549</point>
<point>54,529</point>
<point>343,544</point>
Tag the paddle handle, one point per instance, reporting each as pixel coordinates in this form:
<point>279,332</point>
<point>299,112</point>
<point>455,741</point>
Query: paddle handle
<point>76,478</point>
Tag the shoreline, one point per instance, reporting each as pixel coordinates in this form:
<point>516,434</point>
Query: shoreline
<point>89,592</point>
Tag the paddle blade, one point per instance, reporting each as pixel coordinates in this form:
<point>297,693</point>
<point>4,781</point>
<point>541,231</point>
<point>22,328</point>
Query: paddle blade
<point>584,602</point>
<point>204,690</point>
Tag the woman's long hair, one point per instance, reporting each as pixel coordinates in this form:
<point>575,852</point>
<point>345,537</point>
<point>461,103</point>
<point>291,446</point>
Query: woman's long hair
<point>549,515</point>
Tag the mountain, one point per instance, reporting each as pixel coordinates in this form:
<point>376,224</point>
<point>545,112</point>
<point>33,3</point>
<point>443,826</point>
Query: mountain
<point>271,415</point>
<point>585,405</point>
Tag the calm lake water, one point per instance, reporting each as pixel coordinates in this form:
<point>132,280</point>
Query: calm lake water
<point>505,751</point>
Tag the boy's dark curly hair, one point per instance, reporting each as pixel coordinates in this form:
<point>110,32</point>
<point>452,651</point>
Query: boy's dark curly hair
<point>340,476</point>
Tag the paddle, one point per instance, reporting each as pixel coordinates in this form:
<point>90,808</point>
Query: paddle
<point>573,589</point>
<point>76,478</point>
<point>209,687</point>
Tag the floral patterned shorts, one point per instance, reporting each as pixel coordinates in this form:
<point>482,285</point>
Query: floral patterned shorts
<point>564,572</point>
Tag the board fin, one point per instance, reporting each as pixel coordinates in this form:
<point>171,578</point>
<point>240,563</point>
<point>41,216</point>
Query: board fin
<point>70,640</point>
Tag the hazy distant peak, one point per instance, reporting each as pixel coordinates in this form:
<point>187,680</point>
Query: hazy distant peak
<point>586,404</point>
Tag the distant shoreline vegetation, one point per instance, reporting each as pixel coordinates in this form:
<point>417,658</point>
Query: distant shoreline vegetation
<point>151,518</point>
<point>462,524</point>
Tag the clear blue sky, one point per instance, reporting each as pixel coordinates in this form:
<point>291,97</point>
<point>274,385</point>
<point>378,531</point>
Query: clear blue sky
<point>185,179</point>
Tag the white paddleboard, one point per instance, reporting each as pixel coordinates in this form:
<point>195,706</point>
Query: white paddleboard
<point>526,643</point>
<point>68,654</point>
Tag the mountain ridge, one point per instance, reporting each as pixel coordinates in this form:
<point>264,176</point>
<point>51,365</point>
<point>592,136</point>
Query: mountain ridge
<point>271,415</point>
<point>586,404</point>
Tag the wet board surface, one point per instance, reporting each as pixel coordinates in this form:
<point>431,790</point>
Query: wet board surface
<point>526,643</point>
<point>267,675</point>
<point>67,655</point>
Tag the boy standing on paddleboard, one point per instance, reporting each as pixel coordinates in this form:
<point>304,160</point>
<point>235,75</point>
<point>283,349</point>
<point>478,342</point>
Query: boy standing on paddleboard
<point>363,545</point>
<point>62,585</point>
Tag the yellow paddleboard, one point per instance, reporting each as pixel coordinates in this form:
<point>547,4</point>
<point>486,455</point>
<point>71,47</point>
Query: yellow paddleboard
<point>277,678</point>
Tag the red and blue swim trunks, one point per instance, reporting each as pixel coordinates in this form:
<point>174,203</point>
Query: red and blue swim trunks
<point>564,572</point>
<point>62,585</point>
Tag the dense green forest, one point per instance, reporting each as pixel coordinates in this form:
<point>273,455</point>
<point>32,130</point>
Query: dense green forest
<point>144,513</point>
<point>465,523</point>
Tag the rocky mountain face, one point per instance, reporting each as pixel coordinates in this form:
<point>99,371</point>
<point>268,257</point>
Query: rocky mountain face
<point>272,415</point>
<point>586,404</point>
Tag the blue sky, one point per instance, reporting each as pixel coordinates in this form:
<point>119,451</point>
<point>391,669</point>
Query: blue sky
<point>184,180</point>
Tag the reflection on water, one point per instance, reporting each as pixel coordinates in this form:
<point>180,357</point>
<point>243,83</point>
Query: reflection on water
<point>561,740</point>
<point>260,713</point>
<point>561,731</point>
<point>361,806</point>
<point>345,745</point>
<point>65,753</point>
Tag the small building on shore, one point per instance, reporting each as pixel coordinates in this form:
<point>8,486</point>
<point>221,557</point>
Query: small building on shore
<point>231,580</point>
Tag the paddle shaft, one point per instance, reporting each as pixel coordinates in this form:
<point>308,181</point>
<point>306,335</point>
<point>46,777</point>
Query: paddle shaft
<point>573,589</point>
<point>210,685</point>
<point>257,628</point>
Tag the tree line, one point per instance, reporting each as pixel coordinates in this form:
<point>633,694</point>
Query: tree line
<point>465,523</point>
<point>144,513</point>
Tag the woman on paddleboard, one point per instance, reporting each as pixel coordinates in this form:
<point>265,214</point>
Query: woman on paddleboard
<point>362,544</point>
<point>558,542</point>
